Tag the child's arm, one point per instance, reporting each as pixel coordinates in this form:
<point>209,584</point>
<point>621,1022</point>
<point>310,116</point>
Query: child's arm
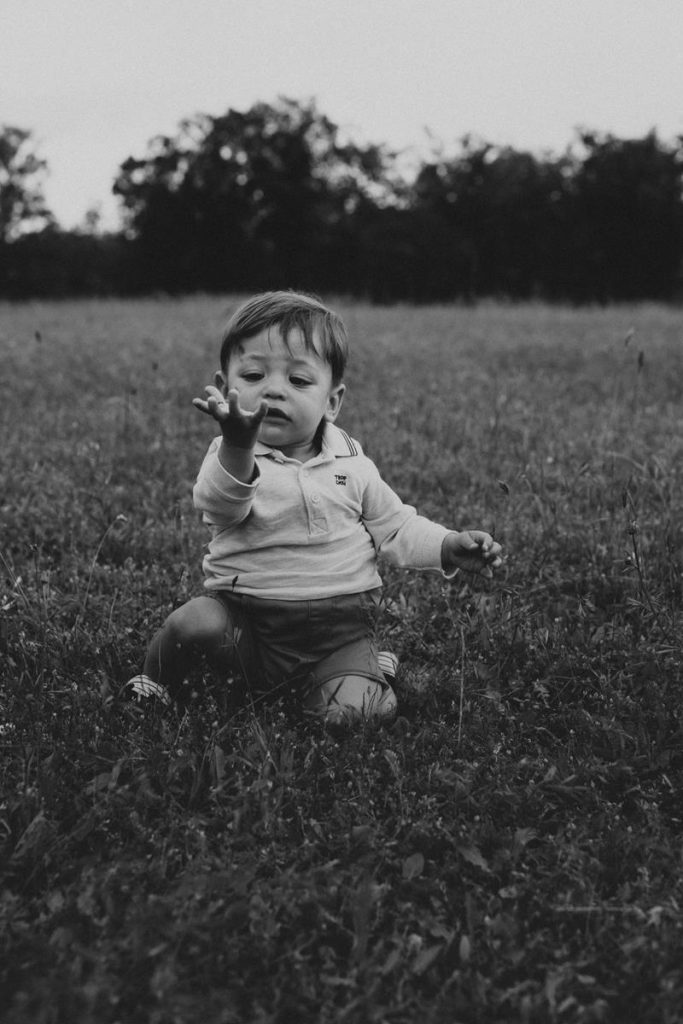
<point>406,539</point>
<point>472,551</point>
<point>238,427</point>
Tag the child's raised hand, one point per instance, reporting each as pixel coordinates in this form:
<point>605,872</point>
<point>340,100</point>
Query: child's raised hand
<point>473,551</point>
<point>239,427</point>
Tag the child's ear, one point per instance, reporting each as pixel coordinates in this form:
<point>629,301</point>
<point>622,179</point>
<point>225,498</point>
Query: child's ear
<point>220,382</point>
<point>334,402</point>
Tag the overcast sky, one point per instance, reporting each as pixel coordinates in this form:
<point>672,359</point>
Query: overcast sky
<point>94,80</point>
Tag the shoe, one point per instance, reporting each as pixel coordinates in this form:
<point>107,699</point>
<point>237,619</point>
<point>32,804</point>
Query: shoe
<point>141,688</point>
<point>388,664</point>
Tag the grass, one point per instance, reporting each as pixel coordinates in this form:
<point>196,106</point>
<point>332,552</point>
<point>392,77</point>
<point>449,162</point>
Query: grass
<point>509,849</point>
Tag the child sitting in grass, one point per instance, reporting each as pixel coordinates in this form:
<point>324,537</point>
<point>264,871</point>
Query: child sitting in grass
<point>298,516</point>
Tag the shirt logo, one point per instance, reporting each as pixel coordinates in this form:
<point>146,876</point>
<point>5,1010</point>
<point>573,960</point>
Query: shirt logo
<point>340,479</point>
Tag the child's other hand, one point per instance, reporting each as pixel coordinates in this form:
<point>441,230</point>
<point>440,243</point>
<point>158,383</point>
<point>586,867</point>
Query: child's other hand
<point>239,427</point>
<point>472,551</point>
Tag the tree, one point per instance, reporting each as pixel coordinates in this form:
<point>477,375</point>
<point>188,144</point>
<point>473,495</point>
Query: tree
<point>257,198</point>
<point>627,218</point>
<point>22,171</point>
<point>497,215</point>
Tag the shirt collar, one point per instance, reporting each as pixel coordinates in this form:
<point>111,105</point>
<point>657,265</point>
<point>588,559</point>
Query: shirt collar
<point>336,444</point>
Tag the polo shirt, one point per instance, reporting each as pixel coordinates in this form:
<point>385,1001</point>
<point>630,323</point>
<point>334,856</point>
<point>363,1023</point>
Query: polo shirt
<point>308,530</point>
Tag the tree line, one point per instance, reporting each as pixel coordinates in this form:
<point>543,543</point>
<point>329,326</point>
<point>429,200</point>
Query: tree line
<point>275,196</point>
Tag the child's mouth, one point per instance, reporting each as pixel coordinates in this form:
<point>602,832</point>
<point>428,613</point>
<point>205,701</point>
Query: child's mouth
<point>277,414</point>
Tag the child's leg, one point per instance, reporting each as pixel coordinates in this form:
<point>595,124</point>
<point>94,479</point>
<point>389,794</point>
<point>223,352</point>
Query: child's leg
<point>348,699</point>
<point>353,684</point>
<point>203,626</point>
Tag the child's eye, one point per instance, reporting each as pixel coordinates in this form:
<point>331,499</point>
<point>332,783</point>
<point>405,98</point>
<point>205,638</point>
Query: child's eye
<point>300,382</point>
<point>252,376</point>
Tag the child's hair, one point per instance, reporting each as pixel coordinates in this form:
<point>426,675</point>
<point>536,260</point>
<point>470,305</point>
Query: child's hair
<point>289,310</point>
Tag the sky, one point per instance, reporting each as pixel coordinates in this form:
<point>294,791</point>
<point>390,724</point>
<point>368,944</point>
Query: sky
<point>95,80</point>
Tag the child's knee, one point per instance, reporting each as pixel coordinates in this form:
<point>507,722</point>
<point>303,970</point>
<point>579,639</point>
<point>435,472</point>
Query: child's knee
<point>201,622</point>
<point>351,699</point>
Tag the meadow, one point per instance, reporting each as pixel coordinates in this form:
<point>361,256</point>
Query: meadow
<point>509,849</point>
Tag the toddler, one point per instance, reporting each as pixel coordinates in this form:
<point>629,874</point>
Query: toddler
<point>297,517</point>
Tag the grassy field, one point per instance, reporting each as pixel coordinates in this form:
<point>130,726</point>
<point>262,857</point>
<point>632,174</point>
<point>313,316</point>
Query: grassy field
<point>509,849</point>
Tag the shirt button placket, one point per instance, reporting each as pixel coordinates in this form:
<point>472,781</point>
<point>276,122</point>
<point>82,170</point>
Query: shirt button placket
<point>314,506</point>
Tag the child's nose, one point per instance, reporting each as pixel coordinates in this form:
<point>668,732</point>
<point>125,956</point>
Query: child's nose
<point>275,388</point>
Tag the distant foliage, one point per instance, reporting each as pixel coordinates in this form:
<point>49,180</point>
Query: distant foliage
<point>22,172</point>
<point>251,199</point>
<point>275,196</point>
<point>626,216</point>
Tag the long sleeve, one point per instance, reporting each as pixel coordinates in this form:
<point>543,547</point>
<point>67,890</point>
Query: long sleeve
<point>223,501</point>
<point>400,535</point>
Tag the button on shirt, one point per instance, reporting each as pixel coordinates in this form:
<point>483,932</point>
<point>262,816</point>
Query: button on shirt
<point>303,531</point>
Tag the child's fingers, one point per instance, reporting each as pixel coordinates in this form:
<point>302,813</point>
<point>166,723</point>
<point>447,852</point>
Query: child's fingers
<point>492,560</point>
<point>210,404</point>
<point>490,549</point>
<point>233,400</point>
<point>249,418</point>
<point>468,542</point>
<point>262,409</point>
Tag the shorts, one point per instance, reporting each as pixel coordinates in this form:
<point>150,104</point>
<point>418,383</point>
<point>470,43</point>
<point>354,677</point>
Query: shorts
<point>296,646</point>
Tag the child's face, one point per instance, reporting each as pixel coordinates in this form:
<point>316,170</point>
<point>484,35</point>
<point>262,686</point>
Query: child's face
<point>295,382</point>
